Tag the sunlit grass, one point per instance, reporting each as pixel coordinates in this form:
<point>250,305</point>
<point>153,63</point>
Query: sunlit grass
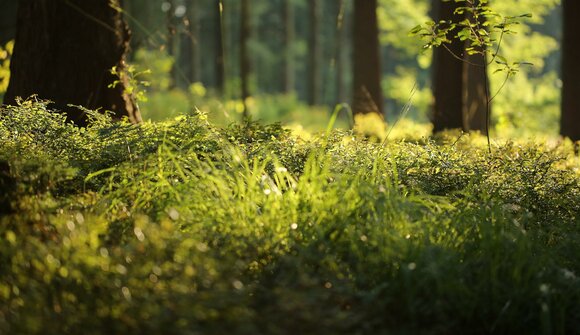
<point>183,227</point>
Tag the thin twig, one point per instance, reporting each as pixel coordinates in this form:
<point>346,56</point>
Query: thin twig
<point>498,47</point>
<point>500,87</point>
<point>460,58</point>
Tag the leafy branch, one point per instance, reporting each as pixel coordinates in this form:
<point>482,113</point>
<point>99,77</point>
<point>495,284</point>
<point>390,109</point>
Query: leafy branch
<point>483,31</point>
<point>133,84</point>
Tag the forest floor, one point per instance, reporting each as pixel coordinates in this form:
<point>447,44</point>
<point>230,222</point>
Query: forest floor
<point>181,227</point>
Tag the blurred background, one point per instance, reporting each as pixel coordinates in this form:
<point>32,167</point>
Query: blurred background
<point>186,55</point>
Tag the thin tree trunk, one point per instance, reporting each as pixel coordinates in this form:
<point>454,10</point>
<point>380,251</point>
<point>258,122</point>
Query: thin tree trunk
<point>189,50</point>
<point>288,74</point>
<point>315,53</point>
<point>184,53</point>
<point>220,68</point>
<point>245,66</point>
<point>64,52</point>
<point>170,41</point>
<point>342,53</point>
<point>368,96</point>
<point>570,120</point>
<point>447,75</point>
<point>194,31</point>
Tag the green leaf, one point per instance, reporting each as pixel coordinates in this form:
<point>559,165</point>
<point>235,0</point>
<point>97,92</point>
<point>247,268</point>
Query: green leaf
<point>416,30</point>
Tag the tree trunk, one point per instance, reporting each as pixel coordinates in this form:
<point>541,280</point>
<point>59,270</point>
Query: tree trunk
<point>315,53</point>
<point>342,53</point>
<point>189,59</point>
<point>170,41</point>
<point>64,52</point>
<point>195,37</point>
<point>8,21</point>
<point>289,36</point>
<point>570,120</point>
<point>368,96</point>
<point>245,31</point>
<point>475,87</point>
<point>447,74</point>
<point>220,68</point>
<point>460,82</point>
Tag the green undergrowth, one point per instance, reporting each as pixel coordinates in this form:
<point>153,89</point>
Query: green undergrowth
<point>181,227</point>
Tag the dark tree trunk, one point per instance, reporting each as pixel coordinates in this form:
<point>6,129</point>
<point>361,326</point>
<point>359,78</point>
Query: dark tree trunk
<point>189,58</point>
<point>170,41</point>
<point>314,53</point>
<point>447,74</point>
<point>195,37</point>
<point>289,35</point>
<point>570,120</point>
<point>475,87</point>
<point>342,53</point>
<point>460,82</point>
<point>220,67</point>
<point>8,21</point>
<point>368,96</point>
<point>245,66</point>
<point>475,93</point>
<point>185,57</point>
<point>64,52</point>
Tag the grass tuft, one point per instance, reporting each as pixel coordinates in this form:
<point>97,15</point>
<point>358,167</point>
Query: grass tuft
<point>181,227</point>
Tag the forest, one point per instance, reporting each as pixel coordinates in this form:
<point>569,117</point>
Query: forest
<point>289,167</point>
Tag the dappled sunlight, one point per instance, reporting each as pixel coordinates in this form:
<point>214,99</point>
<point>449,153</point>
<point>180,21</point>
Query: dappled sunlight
<point>247,226</point>
<point>288,167</point>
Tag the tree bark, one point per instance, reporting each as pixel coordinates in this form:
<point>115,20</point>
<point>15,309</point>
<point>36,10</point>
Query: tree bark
<point>8,21</point>
<point>475,93</point>
<point>194,35</point>
<point>220,68</point>
<point>368,96</point>
<point>475,87</point>
<point>342,53</point>
<point>64,51</point>
<point>570,120</point>
<point>460,81</point>
<point>314,53</point>
<point>447,74</point>
<point>245,65</point>
<point>170,41</point>
<point>189,58</point>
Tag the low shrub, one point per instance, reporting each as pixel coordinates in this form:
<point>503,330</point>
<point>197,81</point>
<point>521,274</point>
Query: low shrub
<point>181,227</point>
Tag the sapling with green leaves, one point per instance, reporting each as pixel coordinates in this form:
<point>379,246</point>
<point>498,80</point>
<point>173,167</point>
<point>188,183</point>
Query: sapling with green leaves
<point>134,84</point>
<point>482,30</point>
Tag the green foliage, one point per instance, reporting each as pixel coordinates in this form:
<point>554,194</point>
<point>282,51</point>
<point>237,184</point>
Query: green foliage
<point>484,28</point>
<point>530,103</point>
<point>535,88</point>
<point>158,65</point>
<point>402,87</point>
<point>131,79</point>
<point>396,16</point>
<point>181,227</point>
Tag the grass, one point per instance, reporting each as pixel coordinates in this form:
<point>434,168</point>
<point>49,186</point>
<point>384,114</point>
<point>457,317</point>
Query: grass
<point>180,227</point>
